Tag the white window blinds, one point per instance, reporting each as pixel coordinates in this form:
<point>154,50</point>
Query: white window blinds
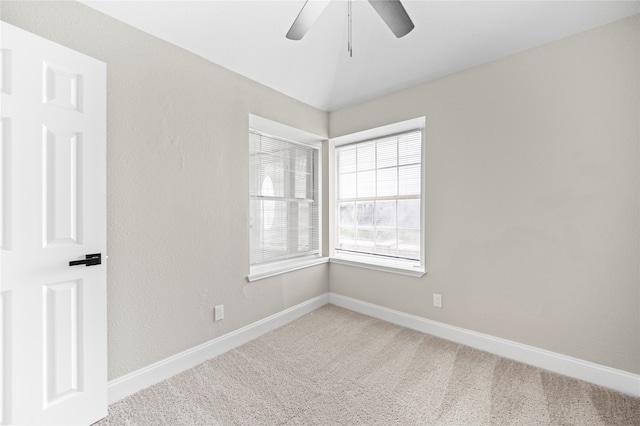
<point>283,194</point>
<point>379,196</point>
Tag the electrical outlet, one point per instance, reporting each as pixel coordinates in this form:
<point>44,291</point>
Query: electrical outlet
<point>218,313</point>
<point>437,300</point>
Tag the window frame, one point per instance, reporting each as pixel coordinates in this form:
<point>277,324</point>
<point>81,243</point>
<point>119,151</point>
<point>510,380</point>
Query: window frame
<point>295,136</point>
<point>374,261</point>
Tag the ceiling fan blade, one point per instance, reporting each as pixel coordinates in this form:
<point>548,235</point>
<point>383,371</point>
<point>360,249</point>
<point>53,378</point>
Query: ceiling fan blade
<point>394,15</point>
<point>307,16</point>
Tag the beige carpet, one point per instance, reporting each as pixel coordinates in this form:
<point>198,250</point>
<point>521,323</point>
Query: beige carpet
<point>334,366</point>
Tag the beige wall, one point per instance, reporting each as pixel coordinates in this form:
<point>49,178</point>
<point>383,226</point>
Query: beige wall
<point>177,186</point>
<point>532,194</point>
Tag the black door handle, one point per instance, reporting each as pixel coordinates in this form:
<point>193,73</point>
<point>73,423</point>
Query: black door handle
<point>91,259</point>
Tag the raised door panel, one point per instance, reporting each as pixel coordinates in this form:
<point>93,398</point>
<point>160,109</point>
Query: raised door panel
<point>62,185</point>
<point>5,356</point>
<point>63,354</point>
<point>5,183</point>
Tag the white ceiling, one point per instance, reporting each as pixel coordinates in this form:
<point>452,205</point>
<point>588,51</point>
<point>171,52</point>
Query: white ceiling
<point>248,37</point>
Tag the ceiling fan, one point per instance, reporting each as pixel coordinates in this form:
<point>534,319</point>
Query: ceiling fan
<point>392,13</point>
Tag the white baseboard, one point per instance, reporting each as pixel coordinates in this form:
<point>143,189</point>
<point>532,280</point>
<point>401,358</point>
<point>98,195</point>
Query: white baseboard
<point>618,380</point>
<point>161,370</point>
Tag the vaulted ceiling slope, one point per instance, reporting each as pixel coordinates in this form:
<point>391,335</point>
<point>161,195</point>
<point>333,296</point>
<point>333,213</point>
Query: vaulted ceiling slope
<point>248,37</point>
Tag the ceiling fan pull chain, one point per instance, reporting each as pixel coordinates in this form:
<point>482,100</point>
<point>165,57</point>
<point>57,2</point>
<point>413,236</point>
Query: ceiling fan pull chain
<point>349,43</point>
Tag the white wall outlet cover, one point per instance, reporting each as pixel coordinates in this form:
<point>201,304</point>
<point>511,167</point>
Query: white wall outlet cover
<point>218,312</point>
<point>437,300</point>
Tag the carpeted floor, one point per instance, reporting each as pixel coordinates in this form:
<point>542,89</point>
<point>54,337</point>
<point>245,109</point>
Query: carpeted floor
<point>334,366</point>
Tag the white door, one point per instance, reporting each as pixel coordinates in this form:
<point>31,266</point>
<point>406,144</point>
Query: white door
<point>53,356</point>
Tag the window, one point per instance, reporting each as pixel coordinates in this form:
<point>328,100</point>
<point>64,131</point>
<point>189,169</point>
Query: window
<point>283,203</point>
<point>379,202</point>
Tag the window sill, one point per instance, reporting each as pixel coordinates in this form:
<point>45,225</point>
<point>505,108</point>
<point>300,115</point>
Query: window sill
<point>394,267</point>
<point>277,268</point>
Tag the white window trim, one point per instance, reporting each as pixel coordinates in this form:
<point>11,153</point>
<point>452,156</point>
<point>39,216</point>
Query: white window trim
<point>384,265</point>
<point>374,262</point>
<point>270,269</point>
